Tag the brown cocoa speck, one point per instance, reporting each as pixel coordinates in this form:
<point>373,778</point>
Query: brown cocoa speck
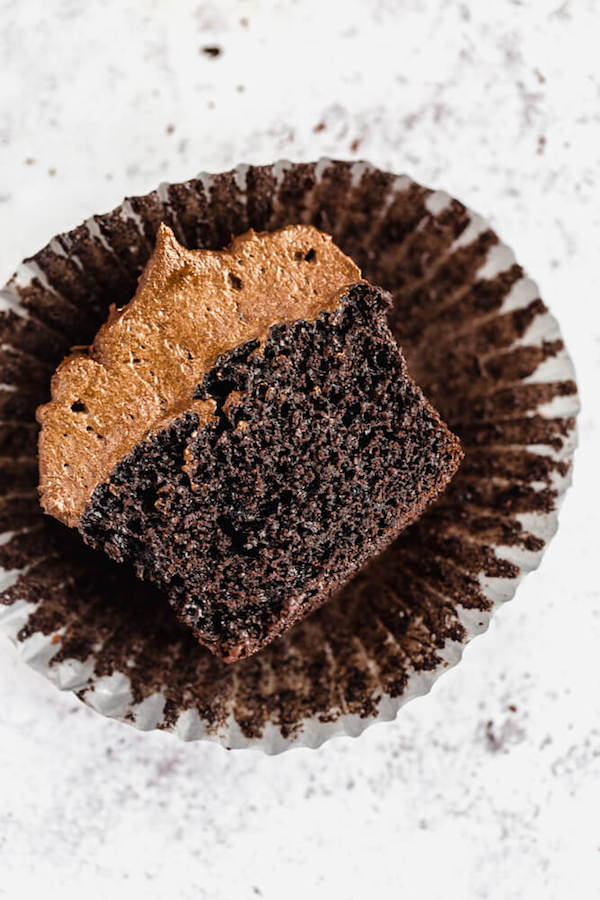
<point>491,739</point>
<point>212,51</point>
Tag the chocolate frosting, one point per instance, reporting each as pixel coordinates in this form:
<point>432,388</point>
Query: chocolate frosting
<point>145,363</point>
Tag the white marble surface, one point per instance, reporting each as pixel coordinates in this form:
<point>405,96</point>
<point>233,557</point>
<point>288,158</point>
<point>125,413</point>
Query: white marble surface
<point>489,787</point>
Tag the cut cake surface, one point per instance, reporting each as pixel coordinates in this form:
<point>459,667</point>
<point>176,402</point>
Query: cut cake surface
<point>265,444</point>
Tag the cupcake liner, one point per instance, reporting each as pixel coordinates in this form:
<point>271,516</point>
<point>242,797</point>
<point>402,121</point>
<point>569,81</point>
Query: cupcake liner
<point>478,340</point>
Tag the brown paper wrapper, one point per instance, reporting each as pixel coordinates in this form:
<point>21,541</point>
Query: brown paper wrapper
<point>479,341</point>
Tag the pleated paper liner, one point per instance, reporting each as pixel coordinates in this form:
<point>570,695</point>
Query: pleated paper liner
<point>479,341</point>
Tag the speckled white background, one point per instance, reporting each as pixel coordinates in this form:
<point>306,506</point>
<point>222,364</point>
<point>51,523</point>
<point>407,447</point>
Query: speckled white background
<point>489,787</point>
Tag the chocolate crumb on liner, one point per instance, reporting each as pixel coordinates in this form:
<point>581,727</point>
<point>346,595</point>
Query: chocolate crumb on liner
<point>477,339</point>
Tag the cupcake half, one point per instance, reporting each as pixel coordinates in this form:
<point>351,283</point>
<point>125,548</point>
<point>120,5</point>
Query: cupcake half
<point>243,433</point>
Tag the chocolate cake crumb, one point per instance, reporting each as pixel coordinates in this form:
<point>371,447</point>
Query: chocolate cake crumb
<point>322,450</point>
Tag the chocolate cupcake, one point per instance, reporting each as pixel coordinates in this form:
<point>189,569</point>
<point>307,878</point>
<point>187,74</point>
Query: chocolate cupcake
<point>477,338</point>
<point>243,433</point>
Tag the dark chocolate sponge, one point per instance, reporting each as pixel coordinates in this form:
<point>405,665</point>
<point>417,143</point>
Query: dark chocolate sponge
<point>321,452</point>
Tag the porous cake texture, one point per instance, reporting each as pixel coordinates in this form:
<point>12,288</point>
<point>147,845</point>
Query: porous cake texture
<point>244,433</point>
